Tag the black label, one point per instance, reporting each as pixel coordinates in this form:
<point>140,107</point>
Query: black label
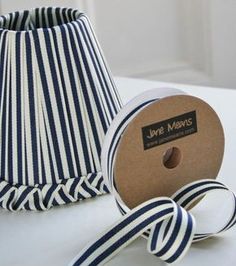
<point>169,130</point>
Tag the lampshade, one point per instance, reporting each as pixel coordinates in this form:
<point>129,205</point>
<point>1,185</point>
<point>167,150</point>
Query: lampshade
<point>57,99</point>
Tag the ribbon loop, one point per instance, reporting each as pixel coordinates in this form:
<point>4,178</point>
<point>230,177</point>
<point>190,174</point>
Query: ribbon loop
<point>169,227</point>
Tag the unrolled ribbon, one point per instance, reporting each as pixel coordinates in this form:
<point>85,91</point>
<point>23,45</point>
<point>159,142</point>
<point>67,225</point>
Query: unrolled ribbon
<point>167,224</point>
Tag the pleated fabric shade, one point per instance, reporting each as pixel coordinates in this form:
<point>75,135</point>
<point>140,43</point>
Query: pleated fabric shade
<point>57,99</point>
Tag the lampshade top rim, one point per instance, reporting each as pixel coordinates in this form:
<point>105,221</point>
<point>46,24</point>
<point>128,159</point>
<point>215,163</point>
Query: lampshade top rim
<point>76,13</point>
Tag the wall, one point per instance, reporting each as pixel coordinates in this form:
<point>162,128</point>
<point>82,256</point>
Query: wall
<point>223,40</point>
<point>171,40</point>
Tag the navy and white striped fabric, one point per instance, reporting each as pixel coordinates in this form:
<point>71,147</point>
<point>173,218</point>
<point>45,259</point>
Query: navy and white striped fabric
<point>167,224</point>
<point>57,100</point>
<point>170,229</point>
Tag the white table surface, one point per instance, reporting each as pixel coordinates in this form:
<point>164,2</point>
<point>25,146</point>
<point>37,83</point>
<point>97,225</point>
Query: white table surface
<point>54,237</point>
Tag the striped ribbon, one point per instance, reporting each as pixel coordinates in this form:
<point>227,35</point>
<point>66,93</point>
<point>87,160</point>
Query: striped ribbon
<point>57,100</point>
<point>166,223</point>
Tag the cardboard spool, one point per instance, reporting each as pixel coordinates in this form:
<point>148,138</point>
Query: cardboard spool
<point>170,143</point>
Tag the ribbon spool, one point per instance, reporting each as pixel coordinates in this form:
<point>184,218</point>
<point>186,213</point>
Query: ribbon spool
<point>139,172</point>
<point>155,155</point>
<point>163,143</point>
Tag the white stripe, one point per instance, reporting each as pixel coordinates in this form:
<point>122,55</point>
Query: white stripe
<point>7,109</point>
<point>29,155</point>
<point>2,91</point>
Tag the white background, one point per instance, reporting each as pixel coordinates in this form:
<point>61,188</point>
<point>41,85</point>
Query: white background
<point>171,40</point>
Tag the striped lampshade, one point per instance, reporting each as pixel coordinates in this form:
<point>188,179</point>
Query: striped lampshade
<point>57,99</point>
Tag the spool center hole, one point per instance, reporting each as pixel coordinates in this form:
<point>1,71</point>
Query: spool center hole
<point>172,157</point>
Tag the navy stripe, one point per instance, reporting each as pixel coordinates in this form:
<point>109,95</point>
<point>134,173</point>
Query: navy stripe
<point>18,107</point>
<point>183,243</point>
<point>26,164</point>
<point>92,177</point>
<point>54,202</point>
<point>43,16</point>
<point>185,191</point>
<point>155,235</point>
<point>16,16</point>
<point>63,196</point>
<point>50,17</point>
<point>100,181</point>
<point>89,190</point>
<point>202,191</point>
<point>10,20</point>
<point>64,14</point>
<point>23,22</point>
<point>37,24</point>
<point>10,139</point>
<point>58,16</point>
<point>105,188</point>
<point>27,206</point>
<point>74,185</point>
<point>37,202</point>
<point>53,175</point>
<point>22,197</point>
<point>9,202</point>
<point>174,234</point>
<point>44,180</point>
<point>49,194</point>
<point>5,190</point>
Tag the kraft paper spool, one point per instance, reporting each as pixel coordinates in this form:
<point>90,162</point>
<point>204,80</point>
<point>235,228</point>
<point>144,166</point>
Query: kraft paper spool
<point>141,173</point>
<point>170,143</point>
<point>57,101</point>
